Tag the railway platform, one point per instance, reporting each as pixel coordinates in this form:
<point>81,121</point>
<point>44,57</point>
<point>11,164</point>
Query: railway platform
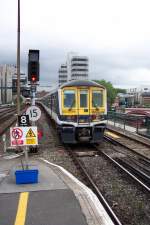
<point>57,199</point>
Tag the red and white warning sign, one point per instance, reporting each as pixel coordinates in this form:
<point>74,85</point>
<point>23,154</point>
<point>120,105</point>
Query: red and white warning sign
<point>21,136</point>
<point>17,133</point>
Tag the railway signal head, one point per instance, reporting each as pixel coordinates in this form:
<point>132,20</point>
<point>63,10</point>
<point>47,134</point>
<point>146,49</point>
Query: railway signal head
<point>33,78</point>
<point>33,66</point>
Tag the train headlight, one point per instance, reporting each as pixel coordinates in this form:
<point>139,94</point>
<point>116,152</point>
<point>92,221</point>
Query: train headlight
<point>98,117</point>
<point>95,117</point>
<point>72,118</point>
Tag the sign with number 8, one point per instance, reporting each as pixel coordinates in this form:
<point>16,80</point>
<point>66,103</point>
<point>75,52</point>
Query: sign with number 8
<point>23,120</point>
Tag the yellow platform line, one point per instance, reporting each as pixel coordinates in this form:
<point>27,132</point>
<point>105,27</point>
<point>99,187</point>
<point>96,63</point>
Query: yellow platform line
<point>22,208</point>
<point>112,134</point>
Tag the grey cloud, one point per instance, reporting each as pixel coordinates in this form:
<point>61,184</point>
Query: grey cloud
<point>120,67</point>
<point>115,66</point>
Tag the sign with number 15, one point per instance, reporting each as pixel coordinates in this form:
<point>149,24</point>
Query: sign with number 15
<point>34,113</point>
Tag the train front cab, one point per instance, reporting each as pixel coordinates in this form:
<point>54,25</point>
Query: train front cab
<point>84,111</point>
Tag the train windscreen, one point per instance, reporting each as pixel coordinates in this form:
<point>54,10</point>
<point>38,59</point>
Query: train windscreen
<point>83,98</point>
<point>97,99</point>
<point>69,98</point>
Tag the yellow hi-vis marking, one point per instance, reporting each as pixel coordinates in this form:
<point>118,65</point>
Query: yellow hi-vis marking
<point>30,133</point>
<point>112,134</point>
<point>22,208</point>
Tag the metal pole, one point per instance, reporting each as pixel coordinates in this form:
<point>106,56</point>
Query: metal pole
<point>1,84</point>
<point>33,98</point>
<point>114,119</point>
<point>5,91</point>
<point>124,124</point>
<point>26,157</point>
<point>137,125</point>
<point>4,141</point>
<point>18,61</point>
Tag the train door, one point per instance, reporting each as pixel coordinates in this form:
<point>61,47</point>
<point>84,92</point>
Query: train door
<point>96,103</point>
<point>83,105</point>
<point>69,101</point>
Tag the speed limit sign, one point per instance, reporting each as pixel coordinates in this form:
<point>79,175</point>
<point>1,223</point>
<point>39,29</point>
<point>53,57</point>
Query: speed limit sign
<point>34,113</point>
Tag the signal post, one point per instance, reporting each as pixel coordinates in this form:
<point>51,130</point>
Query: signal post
<point>33,78</point>
<point>25,134</point>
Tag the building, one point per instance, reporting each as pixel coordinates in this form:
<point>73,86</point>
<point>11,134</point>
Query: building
<point>6,74</point>
<point>62,74</point>
<point>8,83</point>
<point>141,95</point>
<point>135,97</point>
<point>76,68</point>
<point>145,99</point>
<point>23,81</point>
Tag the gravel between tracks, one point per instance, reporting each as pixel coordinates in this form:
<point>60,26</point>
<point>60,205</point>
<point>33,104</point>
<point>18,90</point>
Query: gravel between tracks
<point>51,148</point>
<point>129,202</point>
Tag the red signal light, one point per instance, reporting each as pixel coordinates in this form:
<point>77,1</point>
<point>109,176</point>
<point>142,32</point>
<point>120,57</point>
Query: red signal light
<point>33,78</point>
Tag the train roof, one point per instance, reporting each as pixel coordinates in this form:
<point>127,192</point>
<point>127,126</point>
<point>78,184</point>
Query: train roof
<point>86,83</point>
<point>75,83</point>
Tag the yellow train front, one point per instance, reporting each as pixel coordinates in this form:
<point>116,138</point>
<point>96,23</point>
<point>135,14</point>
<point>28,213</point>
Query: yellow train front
<point>79,109</point>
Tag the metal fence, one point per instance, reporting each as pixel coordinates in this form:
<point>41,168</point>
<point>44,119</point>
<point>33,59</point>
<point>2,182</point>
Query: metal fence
<point>135,123</point>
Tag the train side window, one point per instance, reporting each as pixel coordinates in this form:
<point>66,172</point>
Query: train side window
<point>97,99</point>
<point>69,99</point>
<point>83,98</point>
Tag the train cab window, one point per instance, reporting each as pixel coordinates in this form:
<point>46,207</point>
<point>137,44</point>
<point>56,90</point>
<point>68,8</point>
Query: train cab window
<point>97,98</point>
<point>83,98</point>
<point>69,99</point>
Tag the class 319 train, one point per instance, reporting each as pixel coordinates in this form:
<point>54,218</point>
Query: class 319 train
<point>79,109</point>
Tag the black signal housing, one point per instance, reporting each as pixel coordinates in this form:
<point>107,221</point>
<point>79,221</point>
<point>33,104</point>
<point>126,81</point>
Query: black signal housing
<point>33,66</point>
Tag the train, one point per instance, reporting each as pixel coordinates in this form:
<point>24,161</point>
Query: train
<point>79,109</point>
<point>28,101</point>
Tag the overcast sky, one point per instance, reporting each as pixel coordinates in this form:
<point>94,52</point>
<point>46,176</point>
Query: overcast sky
<point>114,34</point>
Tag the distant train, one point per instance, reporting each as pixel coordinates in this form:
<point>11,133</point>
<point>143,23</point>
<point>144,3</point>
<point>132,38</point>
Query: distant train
<point>28,101</point>
<point>79,110</point>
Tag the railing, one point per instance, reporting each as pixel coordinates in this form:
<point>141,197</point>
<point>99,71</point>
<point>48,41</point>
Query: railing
<point>135,123</point>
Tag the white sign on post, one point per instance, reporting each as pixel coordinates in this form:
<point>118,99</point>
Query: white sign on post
<point>21,136</point>
<point>34,113</point>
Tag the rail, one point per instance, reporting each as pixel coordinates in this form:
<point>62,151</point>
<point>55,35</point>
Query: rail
<point>94,188</point>
<point>127,171</point>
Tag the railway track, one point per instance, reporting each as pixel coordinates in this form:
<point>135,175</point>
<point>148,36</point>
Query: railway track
<point>131,155</point>
<point>132,136</point>
<point>5,110</point>
<point>6,114</point>
<point>136,174</point>
<point>93,186</point>
<point>130,159</point>
<point>124,196</point>
<point>133,145</point>
<point>130,179</point>
<point>7,118</point>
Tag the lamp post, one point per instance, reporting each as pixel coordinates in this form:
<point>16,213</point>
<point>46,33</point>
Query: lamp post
<point>18,61</point>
